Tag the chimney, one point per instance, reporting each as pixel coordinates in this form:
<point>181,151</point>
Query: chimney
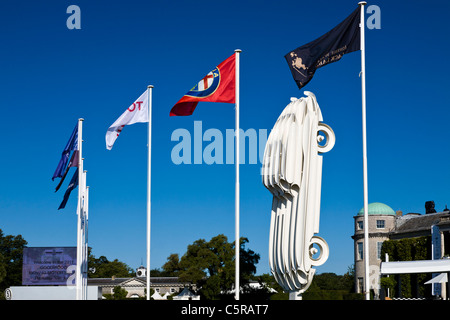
<point>399,213</point>
<point>429,207</point>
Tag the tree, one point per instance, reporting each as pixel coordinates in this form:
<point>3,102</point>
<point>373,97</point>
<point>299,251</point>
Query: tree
<point>172,266</point>
<point>325,286</point>
<point>329,286</point>
<point>118,294</point>
<point>248,261</point>
<point>211,265</point>
<point>268,282</point>
<point>408,249</point>
<point>2,268</point>
<point>107,269</point>
<point>11,258</point>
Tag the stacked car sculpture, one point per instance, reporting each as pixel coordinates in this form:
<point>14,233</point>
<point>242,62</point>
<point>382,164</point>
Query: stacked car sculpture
<point>292,172</point>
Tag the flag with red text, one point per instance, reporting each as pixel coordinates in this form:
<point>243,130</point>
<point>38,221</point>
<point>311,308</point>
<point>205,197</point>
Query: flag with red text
<point>137,112</point>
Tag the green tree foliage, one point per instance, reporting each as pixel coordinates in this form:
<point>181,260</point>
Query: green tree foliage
<point>211,265</point>
<point>107,269</point>
<point>172,266</point>
<point>265,290</point>
<point>248,261</point>
<point>388,283</point>
<point>325,286</point>
<point>407,249</point>
<point>11,258</point>
<point>118,294</point>
<point>331,280</point>
<point>329,286</point>
<point>2,268</point>
<point>267,281</point>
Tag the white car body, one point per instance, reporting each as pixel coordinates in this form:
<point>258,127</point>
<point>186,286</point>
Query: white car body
<point>292,172</point>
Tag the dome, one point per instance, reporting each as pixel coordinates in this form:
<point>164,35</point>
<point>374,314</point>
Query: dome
<point>377,208</point>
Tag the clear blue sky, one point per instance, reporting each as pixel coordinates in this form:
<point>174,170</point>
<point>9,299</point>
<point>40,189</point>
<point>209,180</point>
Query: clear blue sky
<point>50,76</point>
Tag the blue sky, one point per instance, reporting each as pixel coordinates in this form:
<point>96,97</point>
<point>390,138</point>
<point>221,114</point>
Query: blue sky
<point>50,76</point>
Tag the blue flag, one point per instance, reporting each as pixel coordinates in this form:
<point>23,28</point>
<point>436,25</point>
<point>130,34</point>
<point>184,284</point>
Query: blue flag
<point>72,163</point>
<point>72,185</point>
<point>330,47</point>
<point>72,144</point>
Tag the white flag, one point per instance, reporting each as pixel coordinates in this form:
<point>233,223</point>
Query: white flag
<point>137,112</point>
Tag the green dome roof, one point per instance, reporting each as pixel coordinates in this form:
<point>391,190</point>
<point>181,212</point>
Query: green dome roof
<point>377,208</point>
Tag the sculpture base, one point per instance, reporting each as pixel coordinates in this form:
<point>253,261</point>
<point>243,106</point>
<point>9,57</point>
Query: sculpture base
<point>295,295</point>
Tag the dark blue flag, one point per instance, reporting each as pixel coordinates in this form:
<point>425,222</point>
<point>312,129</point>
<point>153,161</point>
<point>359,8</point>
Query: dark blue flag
<point>72,163</point>
<point>330,47</point>
<point>72,144</point>
<point>72,185</point>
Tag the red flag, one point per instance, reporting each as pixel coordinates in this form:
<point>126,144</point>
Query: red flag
<point>217,86</point>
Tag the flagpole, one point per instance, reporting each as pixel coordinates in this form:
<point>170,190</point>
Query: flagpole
<point>83,240</point>
<point>366,201</point>
<point>237,190</point>
<point>85,244</point>
<point>149,92</point>
<point>79,208</point>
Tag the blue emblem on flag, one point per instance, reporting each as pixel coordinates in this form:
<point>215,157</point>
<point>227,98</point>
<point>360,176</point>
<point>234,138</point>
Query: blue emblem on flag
<point>207,86</point>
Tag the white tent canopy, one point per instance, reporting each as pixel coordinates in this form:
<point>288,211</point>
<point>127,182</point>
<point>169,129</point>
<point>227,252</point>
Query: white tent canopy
<point>186,294</point>
<point>419,266</point>
<point>441,278</point>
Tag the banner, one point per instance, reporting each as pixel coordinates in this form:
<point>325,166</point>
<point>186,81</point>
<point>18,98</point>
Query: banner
<point>49,266</point>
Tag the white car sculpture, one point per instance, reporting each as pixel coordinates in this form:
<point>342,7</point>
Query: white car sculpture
<point>292,172</point>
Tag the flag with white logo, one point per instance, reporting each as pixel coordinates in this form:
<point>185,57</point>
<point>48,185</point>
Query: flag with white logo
<point>342,39</point>
<point>217,86</point>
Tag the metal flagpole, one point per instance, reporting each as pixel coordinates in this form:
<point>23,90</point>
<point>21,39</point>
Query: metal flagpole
<point>366,201</point>
<point>78,274</point>
<point>85,238</point>
<point>149,161</point>
<point>237,200</point>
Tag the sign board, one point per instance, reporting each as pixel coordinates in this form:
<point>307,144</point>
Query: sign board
<point>50,293</point>
<point>49,266</point>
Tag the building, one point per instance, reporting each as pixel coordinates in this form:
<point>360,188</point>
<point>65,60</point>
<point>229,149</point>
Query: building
<point>136,286</point>
<point>381,223</point>
<point>385,224</point>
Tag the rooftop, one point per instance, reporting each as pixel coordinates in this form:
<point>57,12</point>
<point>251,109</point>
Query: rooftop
<point>377,208</point>
<point>413,223</point>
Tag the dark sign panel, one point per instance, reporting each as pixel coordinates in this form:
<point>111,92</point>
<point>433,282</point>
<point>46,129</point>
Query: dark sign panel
<point>49,266</point>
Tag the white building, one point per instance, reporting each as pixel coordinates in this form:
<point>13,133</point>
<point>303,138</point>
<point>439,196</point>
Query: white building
<point>385,224</point>
<point>136,286</point>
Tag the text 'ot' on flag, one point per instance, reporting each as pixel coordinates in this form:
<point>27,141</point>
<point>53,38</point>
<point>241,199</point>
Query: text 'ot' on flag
<point>137,112</point>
